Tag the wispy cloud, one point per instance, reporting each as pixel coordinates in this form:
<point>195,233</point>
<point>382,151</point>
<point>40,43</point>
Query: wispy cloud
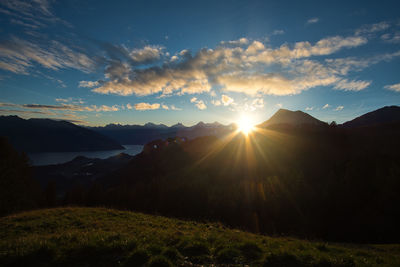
<point>393,87</point>
<point>338,108</point>
<point>312,20</point>
<point>326,106</point>
<point>278,32</point>
<point>352,85</point>
<point>18,55</point>
<point>309,108</point>
<point>88,84</point>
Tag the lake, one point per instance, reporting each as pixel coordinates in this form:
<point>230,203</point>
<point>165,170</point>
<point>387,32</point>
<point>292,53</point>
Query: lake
<point>47,158</point>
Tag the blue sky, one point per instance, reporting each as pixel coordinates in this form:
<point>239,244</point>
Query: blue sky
<point>132,62</point>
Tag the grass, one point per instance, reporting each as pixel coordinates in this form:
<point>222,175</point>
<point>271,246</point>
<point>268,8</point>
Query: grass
<point>105,237</point>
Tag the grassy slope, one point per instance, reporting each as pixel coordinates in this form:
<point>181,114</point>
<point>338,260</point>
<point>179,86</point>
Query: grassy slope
<point>104,237</point>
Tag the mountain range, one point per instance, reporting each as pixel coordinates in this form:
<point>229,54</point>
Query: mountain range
<point>45,135</point>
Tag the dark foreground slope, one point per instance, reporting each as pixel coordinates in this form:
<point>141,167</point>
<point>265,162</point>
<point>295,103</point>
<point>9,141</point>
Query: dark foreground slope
<point>104,237</point>
<point>325,182</point>
<point>45,135</point>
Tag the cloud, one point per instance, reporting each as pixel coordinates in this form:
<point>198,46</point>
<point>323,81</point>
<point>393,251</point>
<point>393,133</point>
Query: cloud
<point>312,20</point>
<point>226,100</point>
<point>146,54</point>
<point>216,102</point>
<point>164,106</point>
<point>30,14</point>
<point>326,106</point>
<point>393,87</point>
<point>63,107</point>
<point>17,55</point>
<point>278,32</point>
<point>198,103</point>
<point>88,84</point>
<point>373,28</point>
<point>309,108</point>
<point>352,85</point>
<point>338,108</point>
<point>234,68</point>
<point>279,105</point>
<point>258,103</point>
<point>393,38</point>
<point>129,106</point>
<point>147,106</point>
<point>174,108</point>
<point>239,42</point>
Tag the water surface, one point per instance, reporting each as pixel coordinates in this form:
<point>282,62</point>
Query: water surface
<point>46,158</point>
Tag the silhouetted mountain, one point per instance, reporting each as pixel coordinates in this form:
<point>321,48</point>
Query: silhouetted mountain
<point>333,183</point>
<point>389,114</point>
<point>46,135</point>
<point>142,134</point>
<point>294,118</point>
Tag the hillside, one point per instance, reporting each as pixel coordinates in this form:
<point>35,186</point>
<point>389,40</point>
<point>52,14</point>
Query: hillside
<point>385,115</point>
<point>104,237</point>
<point>46,135</point>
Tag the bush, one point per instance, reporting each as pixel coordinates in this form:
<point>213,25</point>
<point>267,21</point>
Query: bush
<point>171,254</point>
<point>138,258</point>
<point>196,249</point>
<point>284,259</point>
<point>160,261</point>
<point>251,251</point>
<point>228,255</point>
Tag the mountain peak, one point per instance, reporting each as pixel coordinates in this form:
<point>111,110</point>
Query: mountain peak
<point>387,114</point>
<point>285,116</point>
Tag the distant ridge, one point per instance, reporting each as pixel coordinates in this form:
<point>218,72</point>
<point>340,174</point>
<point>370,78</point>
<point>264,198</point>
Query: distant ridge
<point>288,117</point>
<point>46,135</point>
<point>388,114</point>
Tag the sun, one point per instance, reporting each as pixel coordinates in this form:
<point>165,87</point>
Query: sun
<point>245,125</point>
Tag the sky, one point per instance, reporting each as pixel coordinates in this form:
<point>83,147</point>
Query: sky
<point>133,62</point>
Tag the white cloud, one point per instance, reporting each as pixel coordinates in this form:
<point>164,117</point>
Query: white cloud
<point>258,103</point>
<point>174,108</point>
<point>279,105</point>
<point>393,87</point>
<point>146,54</point>
<point>147,106</point>
<point>326,106</point>
<point>164,106</point>
<point>88,84</point>
<point>352,85</point>
<point>198,103</point>
<point>312,20</point>
<point>338,108</point>
<point>309,108</point>
<point>129,106</point>
<point>226,100</point>
<point>216,102</point>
